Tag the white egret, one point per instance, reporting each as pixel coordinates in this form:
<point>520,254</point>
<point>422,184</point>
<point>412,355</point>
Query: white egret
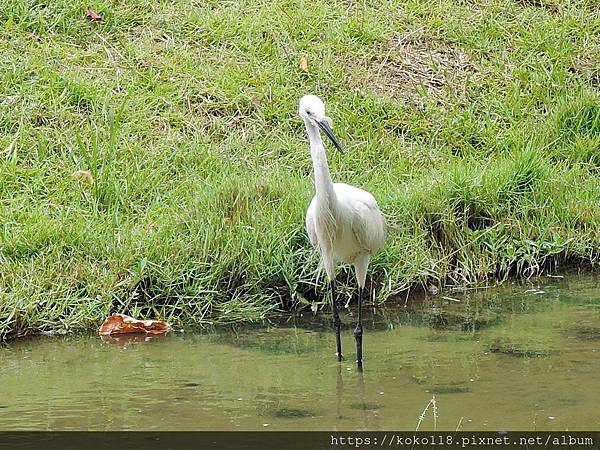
<point>343,222</point>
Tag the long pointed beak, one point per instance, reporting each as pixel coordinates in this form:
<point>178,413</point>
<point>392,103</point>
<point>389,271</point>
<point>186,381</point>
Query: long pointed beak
<point>324,125</point>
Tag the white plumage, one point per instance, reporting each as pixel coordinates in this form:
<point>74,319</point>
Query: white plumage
<point>343,222</point>
<point>352,231</point>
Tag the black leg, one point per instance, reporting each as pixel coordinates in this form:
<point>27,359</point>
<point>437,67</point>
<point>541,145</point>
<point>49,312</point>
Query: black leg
<point>339,391</point>
<point>358,332</point>
<point>337,323</point>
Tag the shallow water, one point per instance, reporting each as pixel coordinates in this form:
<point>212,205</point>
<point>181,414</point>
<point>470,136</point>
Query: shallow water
<point>519,357</point>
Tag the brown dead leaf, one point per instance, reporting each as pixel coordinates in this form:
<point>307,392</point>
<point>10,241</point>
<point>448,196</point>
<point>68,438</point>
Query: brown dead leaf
<point>304,63</point>
<point>120,323</point>
<point>92,15</point>
<point>85,174</point>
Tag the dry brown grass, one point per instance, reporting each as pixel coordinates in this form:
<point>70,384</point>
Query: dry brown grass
<point>415,69</point>
<point>551,6</point>
<point>587,68</point>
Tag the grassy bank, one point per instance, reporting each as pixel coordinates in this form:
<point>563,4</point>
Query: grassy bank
<point>153,163</point>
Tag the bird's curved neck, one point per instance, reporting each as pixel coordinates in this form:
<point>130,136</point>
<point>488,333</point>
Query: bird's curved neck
<point>323,182</point>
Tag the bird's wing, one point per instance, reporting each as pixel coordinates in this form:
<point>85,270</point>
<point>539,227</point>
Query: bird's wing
<point>367,222</point>
<point>310,224</point>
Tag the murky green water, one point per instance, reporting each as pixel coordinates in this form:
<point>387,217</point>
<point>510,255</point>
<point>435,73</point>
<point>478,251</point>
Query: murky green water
<point>520,357</point>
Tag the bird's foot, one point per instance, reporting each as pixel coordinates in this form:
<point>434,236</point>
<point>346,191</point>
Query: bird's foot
<point>339,356</point>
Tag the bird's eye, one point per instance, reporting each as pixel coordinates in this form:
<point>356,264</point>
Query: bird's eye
<point>308,113</point>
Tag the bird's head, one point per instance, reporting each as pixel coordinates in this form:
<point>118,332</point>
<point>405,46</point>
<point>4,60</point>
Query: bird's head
<point>312,110</point>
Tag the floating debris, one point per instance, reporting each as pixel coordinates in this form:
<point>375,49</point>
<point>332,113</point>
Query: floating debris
<point>462,320</point>
<point>585,331</point>
<point>120,323</point>
<point>366,406</point>
<point>292,413</point>
<point>449,388</point>
<point>509,348</point>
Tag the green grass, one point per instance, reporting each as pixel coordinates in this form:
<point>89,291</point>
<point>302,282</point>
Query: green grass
<point>475,123</point>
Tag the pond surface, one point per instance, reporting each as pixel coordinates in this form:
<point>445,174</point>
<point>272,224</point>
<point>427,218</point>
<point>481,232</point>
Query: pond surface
<point>519,357</point>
